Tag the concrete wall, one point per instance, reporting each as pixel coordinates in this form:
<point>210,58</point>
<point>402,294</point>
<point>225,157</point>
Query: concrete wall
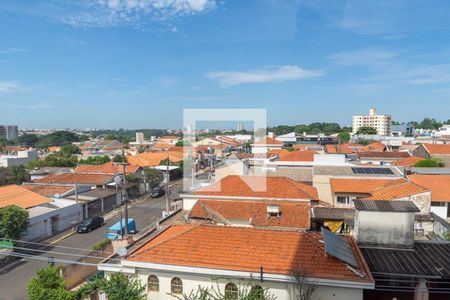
<point>323,186</point>
<point>444,158</point>
<point>441,211</point>
<point>384,228</point>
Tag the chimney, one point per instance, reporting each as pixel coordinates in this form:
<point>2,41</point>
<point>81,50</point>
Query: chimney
<point>273,210</point>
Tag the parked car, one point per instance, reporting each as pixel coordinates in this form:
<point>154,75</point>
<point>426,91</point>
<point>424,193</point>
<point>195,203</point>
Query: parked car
<point>158,192</point>
<point>90,224</point>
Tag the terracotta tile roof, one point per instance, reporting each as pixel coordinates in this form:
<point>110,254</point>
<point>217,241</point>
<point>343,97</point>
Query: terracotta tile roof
<point>20,196</point>
<point>169,137</point>
<point>293,214</point>
<point>356,186</point>
<point>437,148</point>
<point>407,162</point>
<point>151,159</point>
<point>248,249</point>
<point>176,149</point>
<point>54,149</point>
<point>396,189</point>
<point>268,141</point>
<point>376,146</point>
<point>303,147</point>
<point>106,168</point>
<point>341,149</point>
<point>438,184</point>
<point>80,178</point>
<point>259,186</point>
<point>161,145</point>
<point>48,190</point>
<point>279,152</point>
<point>298,156</point>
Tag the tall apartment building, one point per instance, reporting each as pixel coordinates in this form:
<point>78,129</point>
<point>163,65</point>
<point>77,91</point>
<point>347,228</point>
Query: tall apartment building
<point>10,132</point>
<point>382,123</point>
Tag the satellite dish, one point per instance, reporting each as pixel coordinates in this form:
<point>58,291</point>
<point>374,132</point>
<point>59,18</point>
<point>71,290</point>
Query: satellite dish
<point>122,251</point>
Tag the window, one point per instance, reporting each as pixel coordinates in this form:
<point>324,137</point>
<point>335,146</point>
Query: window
<point>257,293</point>
<point>176,286</point>
<point>231,291</point>
<point>343,200</point>
<point>153,283</point>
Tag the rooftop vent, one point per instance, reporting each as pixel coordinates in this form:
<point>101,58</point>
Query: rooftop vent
<point>273,210</point>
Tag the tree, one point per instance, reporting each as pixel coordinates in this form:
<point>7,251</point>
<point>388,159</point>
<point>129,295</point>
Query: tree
<point>117,287</point>
<point>183,143</point>
<point>344,137</point>
<point>69,149</point>
<point>19,175</point>
<point>48,284</point>
<point>242,292</point>
<point>119,158</point>
<point>29,140</point>
<point>53,160</point>
<point>95,160</point>
<point>13,222</point>
<point>154,177</point>
<point>367,130</point>
<point>57,138</point>
<point>429,123</point>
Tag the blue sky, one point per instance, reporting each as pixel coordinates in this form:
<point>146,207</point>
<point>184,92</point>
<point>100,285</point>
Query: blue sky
<point>138,63</point>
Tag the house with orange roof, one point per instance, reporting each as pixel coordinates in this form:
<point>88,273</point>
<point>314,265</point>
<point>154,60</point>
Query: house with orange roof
<point>151,159</point>
<point>345,190</point>
<point>375,146</point>
<point>234,187</point>
<point>380,157</point>
<point>168,139</point>
<point>299,156</point>
<point>407,162</point>
<point>437,151</point>
<point>439,185</point>
<point>47,215</point>
<point>182,258</point>
<point>108,168</point>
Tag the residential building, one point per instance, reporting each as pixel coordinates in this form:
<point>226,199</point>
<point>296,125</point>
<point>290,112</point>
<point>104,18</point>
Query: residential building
<point>406,129</point>
<point>382,123</point>
<point>182,258</point>
<point>21,158</point>
<point>266,144</point>
<point>110,168</point>
<point>240,127</point>
<point>9,132</point>
<point>151,159</point>
<point>380,158</point>
<point>440,192</point>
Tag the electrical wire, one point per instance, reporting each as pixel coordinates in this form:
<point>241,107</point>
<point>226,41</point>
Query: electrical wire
<point>51,245</point>
<point>49,259</point>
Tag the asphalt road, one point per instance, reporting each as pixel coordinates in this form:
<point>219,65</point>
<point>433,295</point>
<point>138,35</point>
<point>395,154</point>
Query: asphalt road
<point>14,280</point>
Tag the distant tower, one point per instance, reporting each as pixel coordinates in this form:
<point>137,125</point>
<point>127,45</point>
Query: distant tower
<point>240,126</point>
<point>140,137</point>
<point>382,123</point>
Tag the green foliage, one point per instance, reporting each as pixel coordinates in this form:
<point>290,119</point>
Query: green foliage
<point>429,123</point>
<point>29,140</point>
<point>366,130</point>
<point>95,160</point>
<point>344,137</point>
<point>48,284</point>
<point>101,245</point>
<point>69,149</point>
<point>154,177</point>
<point>117,287</point>
<point>58,138</point>
<point>119,158</point>
<point>3,142</point>
<point>13,222</point>
<point>365,142</point>
<point>13,175</point>
<point>183,143</point>
<point>430,163</point>
<point>246,292</point>
<point>132,178</point>
<point>313,128</point>
<point>53,160</point>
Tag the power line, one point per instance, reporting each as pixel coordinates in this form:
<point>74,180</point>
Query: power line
<point>51,245</point>
<point>47,258</point>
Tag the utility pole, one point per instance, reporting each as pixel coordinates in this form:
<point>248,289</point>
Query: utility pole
<point>124,190</point>
<point>167,185</point>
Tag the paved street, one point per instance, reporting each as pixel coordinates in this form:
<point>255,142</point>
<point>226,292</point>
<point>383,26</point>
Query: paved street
<point>13,281</point>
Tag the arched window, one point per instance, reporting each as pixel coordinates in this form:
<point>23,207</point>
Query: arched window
<point>257,292</point>
<point>231,291</point>
<point>153,283</point>
<point>176,286</point>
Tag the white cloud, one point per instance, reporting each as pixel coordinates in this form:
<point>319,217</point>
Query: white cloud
<point>281,73</point>
<point>105,13</point>
<point>9,86</point>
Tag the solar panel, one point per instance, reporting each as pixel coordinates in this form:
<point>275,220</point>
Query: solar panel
<point>338,247</point>
<point>361,170</point>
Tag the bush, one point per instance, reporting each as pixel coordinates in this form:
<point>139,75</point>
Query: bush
<point>48,284</point>
<point>101,245</point>
<point>429,163</point>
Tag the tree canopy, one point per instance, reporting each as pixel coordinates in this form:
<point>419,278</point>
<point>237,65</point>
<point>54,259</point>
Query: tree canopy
<point>13,175</point>
<point>48,284</point>
<point>344,136</point>
<point>13,222</point>
<point>95,160</point>
<point>367,130</point>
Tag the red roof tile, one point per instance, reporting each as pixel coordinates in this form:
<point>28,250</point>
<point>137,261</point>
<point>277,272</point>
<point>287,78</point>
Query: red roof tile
<point>407,162</point>
<point>298,156</point>
<point>48,190</point>
<point>106,168</point>
<point>268,141</point>
<point>260,186</point>
<point>248,249</point>
<point>292,214</point>
<point>438,184</point>
<point>396,189</point>
<point>437,148</point>
<point>79,178</point>
<point>20,196</point>
<point>356,186</point>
